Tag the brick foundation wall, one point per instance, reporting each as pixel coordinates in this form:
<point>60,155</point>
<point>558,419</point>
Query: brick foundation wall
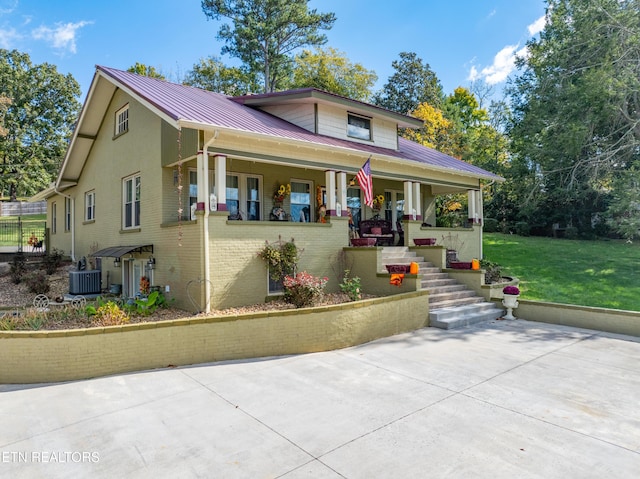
<point>50,356</point>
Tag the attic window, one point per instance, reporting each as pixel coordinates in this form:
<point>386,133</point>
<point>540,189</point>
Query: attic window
<point>122,120</point>
<point>359,127</point>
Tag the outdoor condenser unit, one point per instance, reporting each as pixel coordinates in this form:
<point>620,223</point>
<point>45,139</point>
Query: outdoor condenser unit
<point>84,282</point>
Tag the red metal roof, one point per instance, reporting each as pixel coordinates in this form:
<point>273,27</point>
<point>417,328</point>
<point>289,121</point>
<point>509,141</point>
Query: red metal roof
<point>185,103</point>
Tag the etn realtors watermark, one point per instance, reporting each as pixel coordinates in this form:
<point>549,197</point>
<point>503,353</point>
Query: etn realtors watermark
<point>56,457</point>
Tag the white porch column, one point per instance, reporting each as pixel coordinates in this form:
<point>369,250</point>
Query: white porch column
<point>342,193</point>
<point>475,206</point>
<point>221,181</point>
<point>330,178</point>
<point>417,201</point>
<point>201,176</point>
<point>408,200</point>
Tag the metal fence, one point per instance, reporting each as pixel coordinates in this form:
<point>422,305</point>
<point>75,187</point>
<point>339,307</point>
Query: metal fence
<point>26,236</point>
<point>22,208</point>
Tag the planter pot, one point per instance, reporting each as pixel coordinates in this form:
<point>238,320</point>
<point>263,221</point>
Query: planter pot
<point>398,268</point>
<point>460,265</point>
<point>363,241</point>
<point>452,257</point>
<point>424,241</point>
<point>510,302</point>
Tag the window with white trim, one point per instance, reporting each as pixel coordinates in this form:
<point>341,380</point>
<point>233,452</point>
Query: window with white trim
<point>67,214</point>
<point>54,218</point>
<point>355,206</point>
<point>122,121</point>
<point>131,202</point>
<point>358,127</point>
<point>393,206</point>
<point>90,206</point>
<point>301,201</point>
<point>244,197</point>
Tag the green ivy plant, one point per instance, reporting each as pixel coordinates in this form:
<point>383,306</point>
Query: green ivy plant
<point>281,258</point>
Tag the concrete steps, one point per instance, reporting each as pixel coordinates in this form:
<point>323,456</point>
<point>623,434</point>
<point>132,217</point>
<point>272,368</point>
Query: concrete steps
<point>464,315</point>
<point>451,304</point>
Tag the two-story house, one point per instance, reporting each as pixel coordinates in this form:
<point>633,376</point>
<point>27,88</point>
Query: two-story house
<point>182,185</point>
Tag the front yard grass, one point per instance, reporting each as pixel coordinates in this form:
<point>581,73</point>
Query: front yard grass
<point>587,273</point>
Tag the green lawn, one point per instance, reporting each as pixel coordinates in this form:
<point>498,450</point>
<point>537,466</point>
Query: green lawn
<point>30,223</point>
<point>587,273</point>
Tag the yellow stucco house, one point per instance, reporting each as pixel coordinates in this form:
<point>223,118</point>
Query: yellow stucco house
<point>178,184</point>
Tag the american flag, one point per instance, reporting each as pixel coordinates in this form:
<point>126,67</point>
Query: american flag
<point>366,183</point>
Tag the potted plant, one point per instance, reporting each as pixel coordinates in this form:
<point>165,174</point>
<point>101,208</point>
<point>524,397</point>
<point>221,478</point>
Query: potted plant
<point>453,244</point>
<point>510,301</point>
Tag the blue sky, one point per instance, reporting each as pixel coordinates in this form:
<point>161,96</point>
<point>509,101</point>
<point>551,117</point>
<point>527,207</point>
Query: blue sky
<point>461,41</point>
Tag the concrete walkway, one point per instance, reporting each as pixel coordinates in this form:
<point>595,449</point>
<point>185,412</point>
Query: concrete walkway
<point>503,399</point>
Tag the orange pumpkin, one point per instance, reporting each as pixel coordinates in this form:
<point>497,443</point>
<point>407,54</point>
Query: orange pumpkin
<point>475,264</point>
<point>414,268</point>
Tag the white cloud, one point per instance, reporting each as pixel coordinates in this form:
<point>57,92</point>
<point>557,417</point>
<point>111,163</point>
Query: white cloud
<point>504,61</point>
<point>537,26</point>
<point>503,65</point>
<point>62,37</point>
<point>8,38</point>
<point>8,6</point>
<point>473,74</point>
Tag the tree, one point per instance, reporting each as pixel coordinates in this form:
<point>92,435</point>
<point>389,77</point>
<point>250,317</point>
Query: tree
<point>211,74</point>
<point>576,106</point>
<point>329,70</point>
<point>437,132</point>
<point>412,83</point>
<point>44,107</point>
<point>624,208</point>
<point>147,71</point>
<point>4,105</point>
<point>265,33</point>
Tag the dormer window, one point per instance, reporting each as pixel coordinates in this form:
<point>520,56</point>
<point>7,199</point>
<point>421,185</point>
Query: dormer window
<point>122,121</point>
<point>359,127</point>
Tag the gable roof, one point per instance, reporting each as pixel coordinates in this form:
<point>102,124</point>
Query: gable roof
<point>185,106</point>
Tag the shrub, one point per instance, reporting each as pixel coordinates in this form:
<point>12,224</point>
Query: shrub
<point>491,225</point>
<point>351,286</point>
<point>52,261</point>
<point>493,271</point>
<point>571,232</point>
<point>8,323</point>
<point>148,305</point>
<point>523,228</point>
<point>37,282</point>
<point>303,289</point>
<point>110,314</point>
<point>18,268</point>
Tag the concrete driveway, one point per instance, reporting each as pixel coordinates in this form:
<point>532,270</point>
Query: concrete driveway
<point>503,399</point>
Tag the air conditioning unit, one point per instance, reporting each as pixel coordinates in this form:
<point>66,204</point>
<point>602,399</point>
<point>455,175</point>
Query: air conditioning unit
<point>84,282</point>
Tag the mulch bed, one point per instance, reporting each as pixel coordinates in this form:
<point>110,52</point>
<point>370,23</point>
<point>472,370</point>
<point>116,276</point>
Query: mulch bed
<point>17,297</point>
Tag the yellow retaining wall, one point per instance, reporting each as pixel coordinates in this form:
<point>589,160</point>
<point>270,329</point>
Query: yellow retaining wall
<point>49,356</point>
<point>600,319</point>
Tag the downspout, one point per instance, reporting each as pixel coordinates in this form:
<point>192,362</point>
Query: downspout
<point>205,224</point>
<point>73,222</point>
